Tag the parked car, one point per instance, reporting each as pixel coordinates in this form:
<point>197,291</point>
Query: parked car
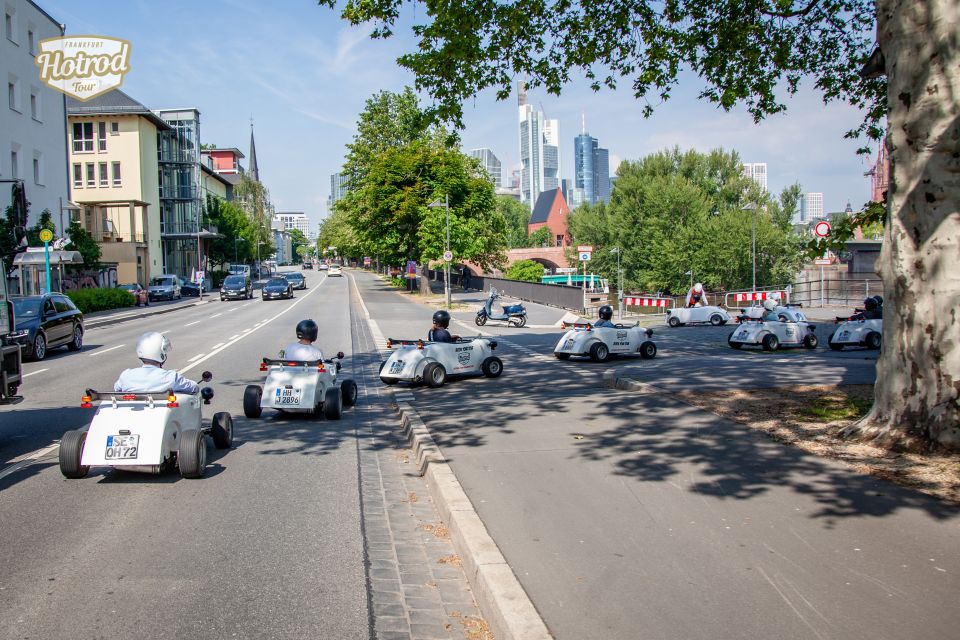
<point>165,287</point>
<point>335,271</point>
<point>277,288</point>
<point>140,295</point>
<point>236,287</point>
<point>193,289</point>
<point>296,280</point>
<point>45,322</point>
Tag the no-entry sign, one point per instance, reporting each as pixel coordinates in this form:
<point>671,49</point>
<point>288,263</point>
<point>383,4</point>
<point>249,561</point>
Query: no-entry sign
<point>822,229</point>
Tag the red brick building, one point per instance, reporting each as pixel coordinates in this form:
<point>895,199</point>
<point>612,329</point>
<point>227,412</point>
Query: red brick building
<point>551,211</point>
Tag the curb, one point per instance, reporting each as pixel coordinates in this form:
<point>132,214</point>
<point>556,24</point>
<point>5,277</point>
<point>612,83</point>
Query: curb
<point>612,379</point>
<point>107,321</point>
<point>505,605</point>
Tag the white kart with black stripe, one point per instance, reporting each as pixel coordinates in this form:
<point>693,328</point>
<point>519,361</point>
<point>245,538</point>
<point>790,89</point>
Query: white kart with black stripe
<point>417,361</point>
<point>601,343</point>
<point>680,316</point>
<point>772,335</point>
<point>300,386</point>
<point>857,333</point>
<point>145,432</point>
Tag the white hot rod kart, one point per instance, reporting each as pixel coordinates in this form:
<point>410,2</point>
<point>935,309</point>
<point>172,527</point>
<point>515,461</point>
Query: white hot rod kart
<point>855,332</point>
<point>680,316</point>
<point>146,432</point>
<point>785,313</point>
<point>418,361</point>
<point>772,335</point>
<point>299,386</point>
<point>599,343</point>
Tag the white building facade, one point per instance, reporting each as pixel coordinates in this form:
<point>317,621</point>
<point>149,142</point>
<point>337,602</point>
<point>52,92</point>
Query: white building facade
<point>811,207</point>
<point>539,154</point>
<point>491,163</point>
<point>294,220</point>
<point>756,171</point>
<point>33,122</point>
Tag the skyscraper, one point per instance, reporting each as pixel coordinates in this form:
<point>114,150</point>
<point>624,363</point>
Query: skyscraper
<point>811,207</point>
<point>539,153</point>
<point>591,165</point>
<point>756,171</point>
<point>491,163</point>
<point>338,188</point>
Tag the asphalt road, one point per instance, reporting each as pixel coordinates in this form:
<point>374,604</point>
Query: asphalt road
<point>269,544</point>
<point>638,516</point>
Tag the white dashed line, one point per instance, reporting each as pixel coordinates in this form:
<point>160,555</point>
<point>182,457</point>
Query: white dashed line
<point>236,335</point>
<point>190,324</point>
<point>216,315</point>
<point>196,357</point>
<point>33,373</point>
<point>99,351</point>
<point>217,346</point>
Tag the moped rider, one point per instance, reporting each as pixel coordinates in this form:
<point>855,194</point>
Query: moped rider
<point>439,332</point>
<point>152,348</point>
<point>303,349</point>
<point>605,313</point>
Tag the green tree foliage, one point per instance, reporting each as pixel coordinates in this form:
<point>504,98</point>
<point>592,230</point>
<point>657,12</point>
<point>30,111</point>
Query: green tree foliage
<point>237,246</point>
<point>516,215</point>
<point>527,270</point>
<point>336,231</point>
<point>44,222</point>
<point>254,199</point>
<point>673,212</point>
<point>82,241</point>
<point>297,241</point>
<point>542,237</point>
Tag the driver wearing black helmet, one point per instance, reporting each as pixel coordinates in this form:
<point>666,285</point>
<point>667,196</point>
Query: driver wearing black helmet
<point>872,309</point>
<point>606,317</point>
<point>303,350</point>
<point>439,332</point>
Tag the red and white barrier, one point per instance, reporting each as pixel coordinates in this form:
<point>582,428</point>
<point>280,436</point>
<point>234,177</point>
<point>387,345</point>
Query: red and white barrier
<point>647,302</point>
<point>759,296</point>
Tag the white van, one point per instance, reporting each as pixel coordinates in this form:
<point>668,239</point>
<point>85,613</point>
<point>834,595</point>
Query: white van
<point>240,270</point>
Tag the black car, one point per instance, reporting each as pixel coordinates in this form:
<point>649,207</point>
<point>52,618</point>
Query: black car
<point>45,322</point>
<point>307,265</point>
<point>192,289</point>
<point>236,287</point>
<point>277,288</point>
<point>296,280</point>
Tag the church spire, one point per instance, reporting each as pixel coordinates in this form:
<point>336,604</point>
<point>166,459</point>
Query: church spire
<point>254,170</point>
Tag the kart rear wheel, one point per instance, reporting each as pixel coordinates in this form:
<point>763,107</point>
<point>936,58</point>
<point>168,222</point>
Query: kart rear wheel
<point>599,352</point>
<point>716,320</point>
<point>348,389</point>
<point>332,404</point>
<point>648,350</point>
<point>251,401</point>
<point>222,430</point>
<point>734,345</point>
<point>492,367</point>
<point>810,341</point>
<point>71,449</point>
<point>770,342</point>
<point>434,375</point>
<point>873,340</point>
<point>833,345</point>
<point>674,321</point>
<point>192,457</point>
<point>388,381</point>
<point>481,319</point>
<point>562,356</point>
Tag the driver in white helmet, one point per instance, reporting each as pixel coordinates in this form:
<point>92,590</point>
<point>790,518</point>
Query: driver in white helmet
<point>696,297</point>
<point>769,313</point>
<point>152,348</point>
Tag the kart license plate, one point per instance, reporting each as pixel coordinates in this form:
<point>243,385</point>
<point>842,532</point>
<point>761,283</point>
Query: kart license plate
<point>288,396</point>
<point>396,366</point>
<point>569,344</point>
<point>122,447</point>
<point>844,335</point>
<point>743,334</point>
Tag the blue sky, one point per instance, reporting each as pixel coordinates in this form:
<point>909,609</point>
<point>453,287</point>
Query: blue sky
<point>304,75</point>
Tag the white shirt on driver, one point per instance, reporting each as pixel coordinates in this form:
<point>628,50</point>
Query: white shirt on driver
<point>302,352</point>
<point>153,379</point>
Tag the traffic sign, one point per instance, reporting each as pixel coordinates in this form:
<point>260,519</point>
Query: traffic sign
<point>584,256</point>
<point>46,235</point>
<point>585,248</point>
<point>822,262</point>
<point>822,229</point>
<point>447,256</point>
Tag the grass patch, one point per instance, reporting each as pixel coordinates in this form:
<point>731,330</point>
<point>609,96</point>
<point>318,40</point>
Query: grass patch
<point>837,407</point>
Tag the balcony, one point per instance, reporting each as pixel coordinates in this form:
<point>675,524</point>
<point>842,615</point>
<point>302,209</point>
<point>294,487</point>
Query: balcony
<point>174,230</point>
<point>181,156</point>
<point>178,193</point>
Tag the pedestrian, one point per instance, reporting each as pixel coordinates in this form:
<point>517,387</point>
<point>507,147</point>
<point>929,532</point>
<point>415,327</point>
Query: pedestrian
<point>465,277</point>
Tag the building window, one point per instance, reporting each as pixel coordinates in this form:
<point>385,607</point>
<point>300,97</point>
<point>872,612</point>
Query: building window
<point>101,136</point>
<point>8,26</point>
<point>83,137</point>
<point>559,241</point>
<point>114,128</point>
<point>32,42</point>
<point>116,174</point>
<point>77,175</point>
<point>91,175</point>
<point>36,172</point>
<point>104,178</point>
<point>34,105</point>
<point>14,168</point>
<point>12,95</point>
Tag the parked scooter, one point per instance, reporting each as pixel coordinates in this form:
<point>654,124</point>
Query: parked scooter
<point>513,314</point>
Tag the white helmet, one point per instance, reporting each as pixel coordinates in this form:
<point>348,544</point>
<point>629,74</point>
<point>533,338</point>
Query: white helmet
<point>153,346</point>
<point>770,304</point>
<point>698,287</point>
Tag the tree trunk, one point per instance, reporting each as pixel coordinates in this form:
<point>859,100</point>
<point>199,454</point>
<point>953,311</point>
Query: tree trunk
<point>918,372</point>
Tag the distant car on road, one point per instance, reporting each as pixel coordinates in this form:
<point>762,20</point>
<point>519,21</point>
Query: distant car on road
<point>277,288</point>
<point>323,266</point>
<point>236,287</point>
<point>335,270</point>
<point>306,265</point>
<point>165,287</point>
<point>45,322</point>
<point>296,280</point>
<point>140,295</point>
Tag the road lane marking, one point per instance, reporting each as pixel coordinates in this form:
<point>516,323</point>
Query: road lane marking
<point>216,315</point>
<point>196,357</point>
<point>216,346</point>
<point>99,351</point>
<point>33,373</point>
<point>231,337</point>
<point>190,324</point>
<point>30,459</point>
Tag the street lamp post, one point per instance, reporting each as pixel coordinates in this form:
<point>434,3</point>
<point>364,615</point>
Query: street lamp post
<point>616,250</point>
<point>446,282</point>
<point>753,241</point>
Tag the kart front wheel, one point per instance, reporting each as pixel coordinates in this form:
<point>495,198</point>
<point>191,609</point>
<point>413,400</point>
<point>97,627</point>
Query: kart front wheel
<point>562,356</point>
<point>481,319</point>
<point>770,342</point>
<point>435,375</point>
<point>348,389</point>
<point>648,350</point>
<point>492,367</point>
<point>674,321</point>
<point>192,457</point>
<point>599,352</point>
<point>332,404</point>
<point>251,401</point>
<point>810,341</point>
<point>873,340</point>
<point>71,449</point>
<point>222,430</point>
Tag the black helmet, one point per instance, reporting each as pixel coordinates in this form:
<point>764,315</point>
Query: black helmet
<point>441,318</point>
<point>879,300</point>
<point>870,304</point>
<point>307,330</point>
<point>606,312</point>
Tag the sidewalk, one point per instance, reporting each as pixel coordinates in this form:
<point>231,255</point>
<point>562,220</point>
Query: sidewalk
<point>114,316</point>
